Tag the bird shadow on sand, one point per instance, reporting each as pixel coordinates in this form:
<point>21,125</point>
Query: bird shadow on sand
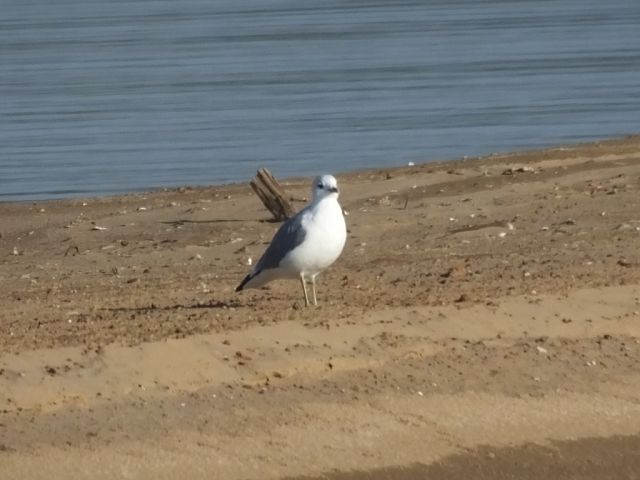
<point>182,221</point>
<point>212,304</point>
<point>179,222</point>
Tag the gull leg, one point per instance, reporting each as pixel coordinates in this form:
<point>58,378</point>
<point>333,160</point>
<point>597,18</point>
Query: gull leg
<point>304,289</point>
<point>313,289</point>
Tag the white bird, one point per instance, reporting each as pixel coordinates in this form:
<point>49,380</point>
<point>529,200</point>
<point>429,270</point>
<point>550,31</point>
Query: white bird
<point>306,244</point>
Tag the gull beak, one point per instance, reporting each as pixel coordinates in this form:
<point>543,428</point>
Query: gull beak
<point>334,189</point>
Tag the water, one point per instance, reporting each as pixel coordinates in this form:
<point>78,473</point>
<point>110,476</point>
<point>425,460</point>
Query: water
<point>104,97</point>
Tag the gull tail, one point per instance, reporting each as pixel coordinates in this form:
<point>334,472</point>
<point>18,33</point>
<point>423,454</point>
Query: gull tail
<point>246,280</point>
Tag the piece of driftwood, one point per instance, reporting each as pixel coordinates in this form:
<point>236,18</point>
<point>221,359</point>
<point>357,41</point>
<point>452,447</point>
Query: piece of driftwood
<point>270,192</point>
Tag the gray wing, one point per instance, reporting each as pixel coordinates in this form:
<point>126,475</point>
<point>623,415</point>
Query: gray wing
<point>289,236</point>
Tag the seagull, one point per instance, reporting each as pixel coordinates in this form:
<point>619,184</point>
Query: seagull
<point>306,244</point>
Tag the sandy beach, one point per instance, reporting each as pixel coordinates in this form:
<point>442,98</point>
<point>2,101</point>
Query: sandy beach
<point>482,322</point>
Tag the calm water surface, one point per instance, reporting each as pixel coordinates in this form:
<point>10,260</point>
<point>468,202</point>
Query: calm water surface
<point>102,97</point>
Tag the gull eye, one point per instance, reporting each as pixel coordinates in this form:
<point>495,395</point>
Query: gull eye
<point>320,185</point>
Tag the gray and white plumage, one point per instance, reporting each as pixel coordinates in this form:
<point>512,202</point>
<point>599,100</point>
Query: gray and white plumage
<point>307,243</point>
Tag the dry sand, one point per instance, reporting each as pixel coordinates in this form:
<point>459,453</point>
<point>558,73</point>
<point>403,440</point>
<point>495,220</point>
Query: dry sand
<point>483,322</point>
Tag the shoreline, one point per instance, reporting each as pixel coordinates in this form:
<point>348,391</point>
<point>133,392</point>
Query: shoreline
<point>484,310</point>
<point>609,142</point>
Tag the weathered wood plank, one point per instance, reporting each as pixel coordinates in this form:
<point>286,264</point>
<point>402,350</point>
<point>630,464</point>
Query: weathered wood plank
<point>272,195</point>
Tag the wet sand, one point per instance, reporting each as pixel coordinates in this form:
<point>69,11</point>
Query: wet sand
<point>484,321</point>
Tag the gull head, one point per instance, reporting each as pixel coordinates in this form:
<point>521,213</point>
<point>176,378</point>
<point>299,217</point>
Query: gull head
<point>324,186</point>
